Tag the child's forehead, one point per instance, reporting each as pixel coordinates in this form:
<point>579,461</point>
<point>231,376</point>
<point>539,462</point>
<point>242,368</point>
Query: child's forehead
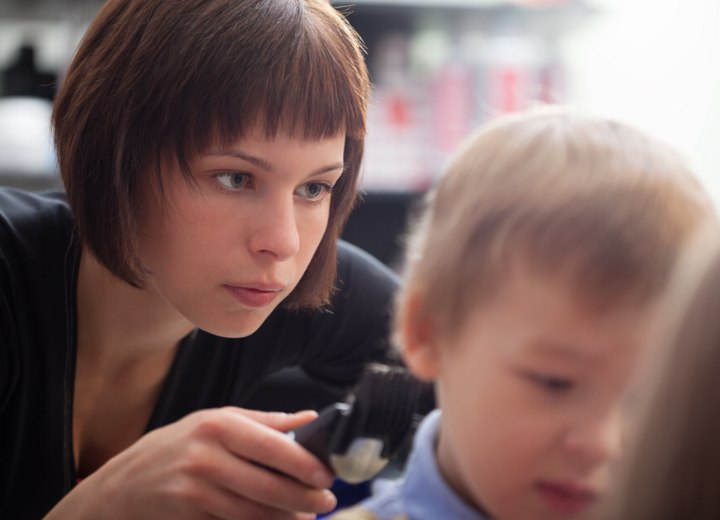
<point>522,279</point>
<point>593,354</point>
<point>547,317</point>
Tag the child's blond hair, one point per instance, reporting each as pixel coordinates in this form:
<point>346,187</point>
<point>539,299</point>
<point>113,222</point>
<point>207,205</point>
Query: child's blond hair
<point>595,202</point>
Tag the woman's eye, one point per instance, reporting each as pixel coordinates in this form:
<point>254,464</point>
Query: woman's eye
<point>314,190</point>
<point>554,384</point>
<point>233,180</point>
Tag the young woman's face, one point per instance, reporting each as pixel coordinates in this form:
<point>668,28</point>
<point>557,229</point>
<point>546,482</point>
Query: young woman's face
<point>226,252</point>
<point>532,390</point>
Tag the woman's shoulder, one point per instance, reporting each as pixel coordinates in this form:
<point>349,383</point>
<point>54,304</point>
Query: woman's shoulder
<point>35,233</point>
<point>361,273</point>
<point>362,304</point>
<point>352,256</point>
<point>32,223</point>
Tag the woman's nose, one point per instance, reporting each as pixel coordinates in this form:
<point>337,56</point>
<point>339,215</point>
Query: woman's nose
<point>275,229</point>
<point>595,439</point>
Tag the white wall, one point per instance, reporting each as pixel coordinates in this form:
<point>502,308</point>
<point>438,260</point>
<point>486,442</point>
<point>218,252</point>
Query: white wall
<point>654,63</point>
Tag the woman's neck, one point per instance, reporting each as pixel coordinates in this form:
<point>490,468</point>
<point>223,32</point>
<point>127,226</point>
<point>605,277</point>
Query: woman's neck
<point>126,341</point>
<point>119,324</point>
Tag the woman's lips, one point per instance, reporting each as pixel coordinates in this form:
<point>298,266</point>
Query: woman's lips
<point>565,498</point>
<point>253,297</point>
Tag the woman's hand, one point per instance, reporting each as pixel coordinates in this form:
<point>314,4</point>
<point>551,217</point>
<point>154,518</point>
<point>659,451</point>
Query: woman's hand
<point>210,464</point>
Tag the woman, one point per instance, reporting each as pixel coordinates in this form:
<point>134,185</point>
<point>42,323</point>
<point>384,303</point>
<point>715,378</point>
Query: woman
<point>210,152</point>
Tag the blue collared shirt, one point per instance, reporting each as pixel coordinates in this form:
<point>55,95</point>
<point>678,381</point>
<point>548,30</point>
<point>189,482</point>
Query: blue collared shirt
<point>423,493</point>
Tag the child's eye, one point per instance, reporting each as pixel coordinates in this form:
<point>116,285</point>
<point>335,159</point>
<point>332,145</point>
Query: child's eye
<point>551,383</point>
<point>314,191</point>
<point>233,180</point>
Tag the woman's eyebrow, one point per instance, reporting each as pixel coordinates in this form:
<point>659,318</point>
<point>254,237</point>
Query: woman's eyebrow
<point>257,161</point>
<point>329,168</point>
<point>267,166</point>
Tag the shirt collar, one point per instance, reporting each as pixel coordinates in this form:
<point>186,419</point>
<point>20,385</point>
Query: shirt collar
<point>426,494</point>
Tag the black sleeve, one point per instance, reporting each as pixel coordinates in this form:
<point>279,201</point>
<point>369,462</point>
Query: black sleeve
<point>356,329</point>
<point>7,361</point>
<point>8,339</point>
<point>34,228</point>
<point>5,320</point>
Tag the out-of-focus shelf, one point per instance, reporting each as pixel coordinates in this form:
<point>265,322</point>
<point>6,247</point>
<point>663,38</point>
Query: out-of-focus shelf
<point>58,9</point>
<point>427,3</point>
<point>48,10</point>
<point>31,182</point>
<point>543,15</point>
<point>529,5</point>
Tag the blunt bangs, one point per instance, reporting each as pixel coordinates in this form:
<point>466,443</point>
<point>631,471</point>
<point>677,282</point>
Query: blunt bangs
<point>291,68</point>
<point>155,81</point>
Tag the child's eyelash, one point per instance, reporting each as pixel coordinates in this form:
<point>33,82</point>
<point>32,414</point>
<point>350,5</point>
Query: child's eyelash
<point>556,384</point>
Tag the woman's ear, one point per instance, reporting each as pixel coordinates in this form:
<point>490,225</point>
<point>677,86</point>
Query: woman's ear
<point>419,348</point>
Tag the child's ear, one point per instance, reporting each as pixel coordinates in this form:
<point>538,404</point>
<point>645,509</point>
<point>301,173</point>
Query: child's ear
<point>418,340</point>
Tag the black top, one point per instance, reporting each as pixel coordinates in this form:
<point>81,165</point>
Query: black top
<point>39,259</point>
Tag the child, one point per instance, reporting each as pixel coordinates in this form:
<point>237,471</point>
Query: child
<point>673,469</point>
<point>531,280</point>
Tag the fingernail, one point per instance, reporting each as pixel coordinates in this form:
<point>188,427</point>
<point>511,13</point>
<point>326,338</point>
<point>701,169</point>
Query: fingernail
<point>329,500</point>
<point>321,479</point>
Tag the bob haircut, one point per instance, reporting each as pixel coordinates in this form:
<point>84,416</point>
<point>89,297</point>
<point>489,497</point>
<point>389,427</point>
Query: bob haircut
<point>594,203</point>
<point>154,82</point>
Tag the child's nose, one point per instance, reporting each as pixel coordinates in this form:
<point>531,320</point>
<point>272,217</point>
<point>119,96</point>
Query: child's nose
<point>595,439</point>
<point>275,230</point>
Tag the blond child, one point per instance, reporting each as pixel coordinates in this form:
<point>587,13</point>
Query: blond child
<point>532,277</point>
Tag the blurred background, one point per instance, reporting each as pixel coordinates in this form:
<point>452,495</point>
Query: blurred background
<point>439,68</point>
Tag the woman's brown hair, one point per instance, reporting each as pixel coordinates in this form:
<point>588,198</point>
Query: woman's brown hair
<point>154,81</point>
